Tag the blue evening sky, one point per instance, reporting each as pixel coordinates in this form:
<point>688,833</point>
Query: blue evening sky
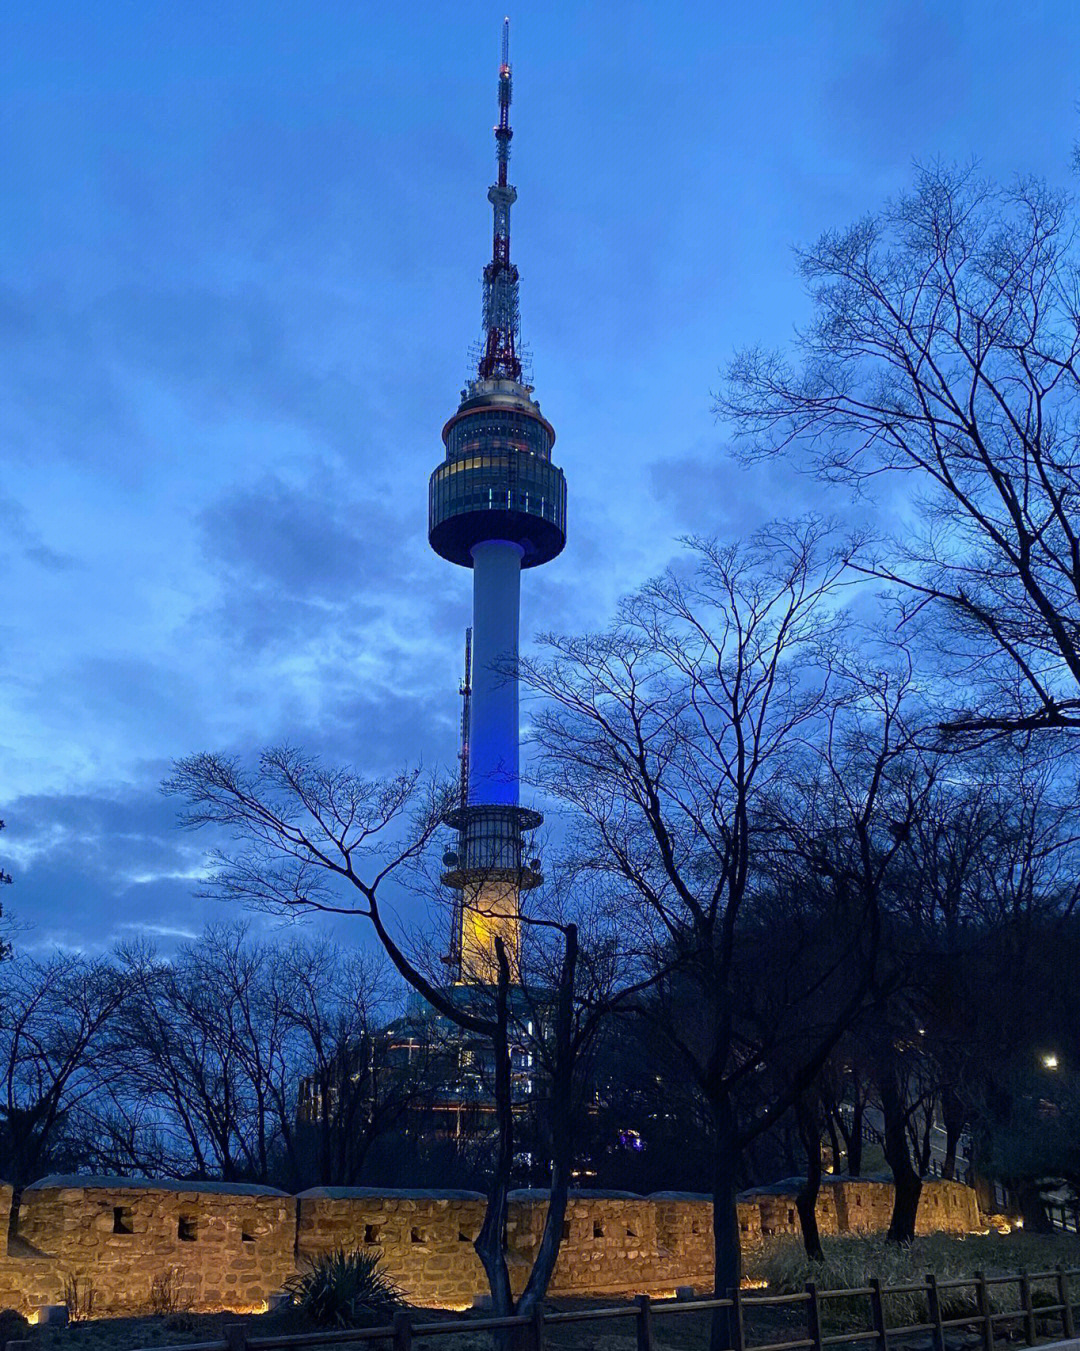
<point>240,250</point>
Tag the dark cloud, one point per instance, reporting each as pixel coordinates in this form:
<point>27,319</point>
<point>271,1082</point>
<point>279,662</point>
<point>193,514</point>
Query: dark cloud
<point>310,542</point>
<point>17,530</point>
<point>59,395</point>
<point>90,867</point>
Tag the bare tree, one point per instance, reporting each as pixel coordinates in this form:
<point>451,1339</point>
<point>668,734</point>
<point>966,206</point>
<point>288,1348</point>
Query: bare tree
<point>56,1015</point>
<point>5,881</point>
<point>849,822</point>
<point>668,735</point>
<point>200,1043</point>
<point>332,1004</point>
<point>311,839</point>
<point>943,347</point>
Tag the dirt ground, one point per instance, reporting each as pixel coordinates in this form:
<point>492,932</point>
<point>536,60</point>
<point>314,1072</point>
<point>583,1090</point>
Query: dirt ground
<point>677,1331</point>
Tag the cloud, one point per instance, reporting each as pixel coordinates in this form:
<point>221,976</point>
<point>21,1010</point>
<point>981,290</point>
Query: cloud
<point>16,529</point>
<point>315,541</point>
<point>89,868</point>
<point>59,395</point>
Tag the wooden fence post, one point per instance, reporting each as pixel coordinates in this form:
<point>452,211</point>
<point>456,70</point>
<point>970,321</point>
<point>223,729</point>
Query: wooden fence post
<point>1029,1311</point>
<point>738,1330</point>
<point>813,1315</point>
<point>933,1307</point>
<point>1068,1327</point>
<point>236,1336</point>
<point>644,1323</point>
<point>986,1312</point>
<point>877,1312</point>
<point>403,1330</point>
<point>537,1328</point>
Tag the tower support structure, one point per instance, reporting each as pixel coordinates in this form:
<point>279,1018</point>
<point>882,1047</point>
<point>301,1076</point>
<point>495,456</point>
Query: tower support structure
<point>497,505</point>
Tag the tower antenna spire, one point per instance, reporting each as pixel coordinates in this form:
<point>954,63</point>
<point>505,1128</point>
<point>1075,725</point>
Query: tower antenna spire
<point>502,321</point>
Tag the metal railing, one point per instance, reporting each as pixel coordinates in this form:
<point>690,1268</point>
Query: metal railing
<point>1065,1218</point>
<point>409,1326</point>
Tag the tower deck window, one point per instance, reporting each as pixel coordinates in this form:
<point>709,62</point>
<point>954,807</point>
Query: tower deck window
<point>122,1220</point>
<point>187,1229</point>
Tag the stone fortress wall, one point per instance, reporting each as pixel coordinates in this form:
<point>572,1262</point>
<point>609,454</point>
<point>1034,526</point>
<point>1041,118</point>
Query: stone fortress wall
<point>232,1246</point>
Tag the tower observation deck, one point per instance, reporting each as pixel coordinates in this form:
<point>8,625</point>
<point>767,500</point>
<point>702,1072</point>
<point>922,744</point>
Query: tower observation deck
<point>496,504</point>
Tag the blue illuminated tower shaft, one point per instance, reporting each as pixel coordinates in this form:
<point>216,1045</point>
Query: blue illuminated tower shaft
<point>493,733</point>
<point>497,504</point>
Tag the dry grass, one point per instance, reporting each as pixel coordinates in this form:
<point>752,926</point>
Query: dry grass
<point>851,1263</point>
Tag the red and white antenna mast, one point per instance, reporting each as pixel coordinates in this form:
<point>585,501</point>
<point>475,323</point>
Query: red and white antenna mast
<point>500,360</point>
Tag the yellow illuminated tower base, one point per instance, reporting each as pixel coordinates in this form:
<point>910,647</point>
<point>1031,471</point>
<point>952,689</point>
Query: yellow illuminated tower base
<point>490,872</point>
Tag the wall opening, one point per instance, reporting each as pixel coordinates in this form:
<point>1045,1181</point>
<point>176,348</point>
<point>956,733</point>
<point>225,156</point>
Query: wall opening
<point>371,1233</point>
<point>245,1237</point>
<point>695,1228</point>
<point>122,1220</point>
<point>566,1231</point>
<point>597,1229</point>
<point>790,1216</point>
<point>631,1231</point>
<point>187,1229</point>
<point>418,1236</point>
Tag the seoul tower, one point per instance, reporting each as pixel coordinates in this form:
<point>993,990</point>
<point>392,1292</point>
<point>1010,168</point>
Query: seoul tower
<point>496,504</point>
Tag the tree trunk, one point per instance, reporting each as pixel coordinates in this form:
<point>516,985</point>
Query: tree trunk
<point>834,1140</point>
<point>562,1134</point>
<point>853,1139</point>
<point>490,1243</point>
<point>952,1116</point>
<point>855,1142</point>
<point>807,1197</point>
<point>1033,1209</point>
<point>926,1145</point>
<point>727,1256</point>
<point>907,1184</point>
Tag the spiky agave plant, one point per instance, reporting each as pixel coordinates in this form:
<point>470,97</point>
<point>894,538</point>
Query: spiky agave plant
<point>346,1290</point>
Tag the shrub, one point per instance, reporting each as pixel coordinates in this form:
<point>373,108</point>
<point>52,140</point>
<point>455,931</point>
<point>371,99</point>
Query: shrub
<point>79,1294</point>
<point>168,1293</point>
<point>13,1327</point>
<point>346,1290</point>
<point>182,1322</point>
